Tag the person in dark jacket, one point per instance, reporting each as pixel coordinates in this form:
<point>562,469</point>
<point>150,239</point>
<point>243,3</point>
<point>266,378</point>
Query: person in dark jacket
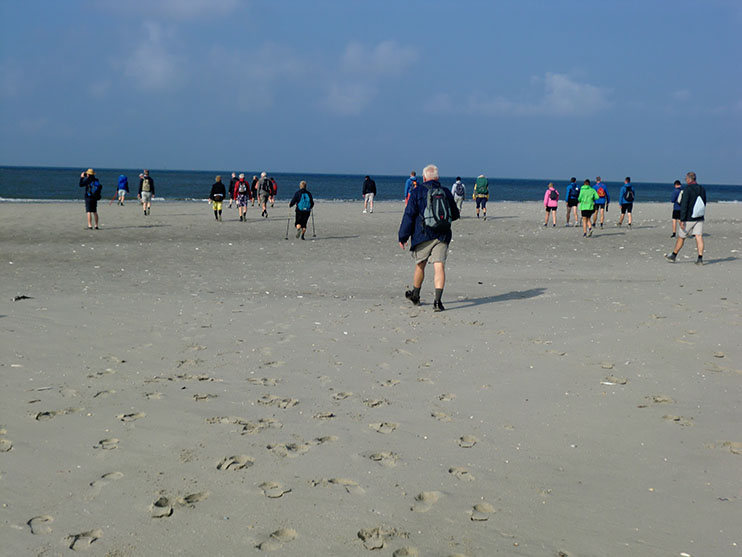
<point>304,204</point>
<point>675,206</point>
<point>692,213</point>
<point>123,188</point>
<point>369,192</point>
<point>426,244</point>
<point>146,191</point>
<point>217,195</point>
<point>87,179</point>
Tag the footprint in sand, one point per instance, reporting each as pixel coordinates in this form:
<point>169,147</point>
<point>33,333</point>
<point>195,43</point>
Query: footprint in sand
<point>389,383</point>
<point>278,538</point>
<point>153,396</point>
<point>250,428</point>
<point>130,417</point>
<point>375,402</point>
<point>383,427</point>
<point>446,397</point>
<point>461,473</point>
<point>441,416</point>
<point>40,524</point>
<point>192,499</point>
<point>324,416</point>
<point>278,363</point>
<point>296,449</point>
<point>97,485</point>
<point>204,397</point>
<point>660,399</point>
<point>467,441</point>
<point>424,501</point>
<point>107,444</point>
<point>406,552</point>
<point>350,486</point>
<point>680,420</point>
<point>49,414</point>
<point>613,380</point>
<point>264,381</point>
<point>342,395</point>
<point>388,460</point>
<point>68,393</point>
<point>272,400</point>
<point>375,538</point>
<point>104,394</point>
<point>161,508</point>
<point>482,512</point>
<point>82,541</point>
<point>5,445</point>
<point>274,490</point>
<point>236,462</point>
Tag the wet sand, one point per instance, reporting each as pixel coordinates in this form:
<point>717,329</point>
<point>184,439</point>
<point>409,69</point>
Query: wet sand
<point>174,385</point>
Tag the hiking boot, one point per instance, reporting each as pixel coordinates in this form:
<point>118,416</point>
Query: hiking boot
<point>410,295</point>
<point>438,306</point>
<point>629,225</point>
<point>670,257</point>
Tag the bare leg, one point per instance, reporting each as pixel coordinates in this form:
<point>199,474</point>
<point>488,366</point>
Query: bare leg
<point>699,245</point>
<point>419,276</point>
<point>440,274</point>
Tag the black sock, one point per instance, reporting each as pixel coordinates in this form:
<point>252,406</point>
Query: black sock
<point>438,294</point>
<point>415,292</point>
<point>700,257</point>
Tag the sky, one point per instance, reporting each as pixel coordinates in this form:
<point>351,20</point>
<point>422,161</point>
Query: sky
<point>512,89</point>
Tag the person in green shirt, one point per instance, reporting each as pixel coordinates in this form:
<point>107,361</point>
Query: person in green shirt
<point>587,198</point>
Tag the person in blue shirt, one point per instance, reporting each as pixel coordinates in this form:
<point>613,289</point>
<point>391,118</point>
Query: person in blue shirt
<point>123,189</point>
<point>626,200</point>
<point>601,204</point>
<point>426,244</point>
<point>675,207</point>
<point>572,200</point>
<point>411,183</point>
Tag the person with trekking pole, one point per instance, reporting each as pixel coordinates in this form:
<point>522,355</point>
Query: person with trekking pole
<point>304,204</point>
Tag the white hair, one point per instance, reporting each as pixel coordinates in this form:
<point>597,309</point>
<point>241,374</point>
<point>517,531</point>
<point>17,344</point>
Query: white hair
<point>430,172</point>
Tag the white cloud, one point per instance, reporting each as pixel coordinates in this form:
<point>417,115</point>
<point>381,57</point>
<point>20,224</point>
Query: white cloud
<point>386,58</point>
<point>681,95</point>
<point>561,96</point>
<point>171,9</point>
<point>151,65</point>
<point>350,98</point>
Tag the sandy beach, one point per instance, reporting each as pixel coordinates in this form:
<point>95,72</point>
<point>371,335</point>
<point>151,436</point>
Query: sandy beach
<point>172,385</point>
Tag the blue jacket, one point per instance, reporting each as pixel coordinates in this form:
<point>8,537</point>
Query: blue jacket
<point>602,200</point>
<point>410,184</point>
<point>622,195</point>
<point>123,183</point>
<point>674,198</point>
<point>573,191</point>
<point>413,226</point>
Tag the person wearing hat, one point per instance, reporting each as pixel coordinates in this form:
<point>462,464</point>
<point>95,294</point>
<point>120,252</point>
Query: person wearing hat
<point>146,191</point>
<point>92,194</point>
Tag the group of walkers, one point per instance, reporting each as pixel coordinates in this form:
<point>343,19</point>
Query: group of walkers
<point>241,193</point>
<point>94,189</point>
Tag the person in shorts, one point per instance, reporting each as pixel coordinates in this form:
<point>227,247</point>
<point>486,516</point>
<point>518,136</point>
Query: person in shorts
<point>551,203</point>
<point>458,189</point>
<point>675,206</point>
<point>587,199</point>
<point>369,192</point>
<point>626,201</point>
<point>573,195</point>
<point>146,191</point>
<point>426,245</point>
<point>264,192</point>
<point>304,203</point>
<point>692,214</point>
<point>241,195</point>
<point>481,194</point>
<point>87,179</point>
<point>216,196</point>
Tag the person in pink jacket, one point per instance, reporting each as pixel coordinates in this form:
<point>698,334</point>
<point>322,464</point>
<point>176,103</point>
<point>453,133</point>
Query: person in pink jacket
<point>551,202</point>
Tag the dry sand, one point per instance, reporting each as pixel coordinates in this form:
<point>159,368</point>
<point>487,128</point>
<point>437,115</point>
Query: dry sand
<point>177,386</point>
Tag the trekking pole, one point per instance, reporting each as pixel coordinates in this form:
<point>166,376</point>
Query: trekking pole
<point>313,234</point>
<point>288,221</point>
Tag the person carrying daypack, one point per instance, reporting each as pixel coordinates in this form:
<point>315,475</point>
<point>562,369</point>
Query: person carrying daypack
<point>241,195</point>
<point>304,204</point>
<point>573,196</point>
<point>481,194</point>
<point>93,193</point>
<point>411,183</point>
<point>146,191</point>
<point>602,202</point>
<point>264,192</point>
<point>626,201</point>
<point>458,189</point>
<point>551,203</point>
<point>426,223</point>
<point>123,189</point>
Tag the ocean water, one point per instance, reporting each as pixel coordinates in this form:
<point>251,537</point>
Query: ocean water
<point>19,184</point>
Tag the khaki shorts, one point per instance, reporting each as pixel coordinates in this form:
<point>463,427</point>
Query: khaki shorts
<point>146,197</point>
<point>692,228</point>
<point>432,251</point>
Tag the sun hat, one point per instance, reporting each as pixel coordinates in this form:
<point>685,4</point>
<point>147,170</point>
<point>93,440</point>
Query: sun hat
<point>90,171</point>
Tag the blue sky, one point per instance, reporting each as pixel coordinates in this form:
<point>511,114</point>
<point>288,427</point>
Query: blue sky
<point>526,88</point>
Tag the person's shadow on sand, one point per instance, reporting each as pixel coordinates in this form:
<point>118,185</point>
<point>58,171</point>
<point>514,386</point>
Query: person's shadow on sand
<point>514,295</point>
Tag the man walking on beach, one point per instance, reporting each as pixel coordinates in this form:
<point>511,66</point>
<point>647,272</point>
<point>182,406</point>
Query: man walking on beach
<point>264,192</point>
<point>601,204</point>
<point>573,195</point>
<point>675,200</point>
<point>369,192</point>
<point>410,185</point>
<point>304,204</point>
<point>427,224</point>
<point>458,189</point>
<point>146,191</point>
<point>626,201</point>
<point>92,195</point>
<point>692,213</point>
<point>481,194</point>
